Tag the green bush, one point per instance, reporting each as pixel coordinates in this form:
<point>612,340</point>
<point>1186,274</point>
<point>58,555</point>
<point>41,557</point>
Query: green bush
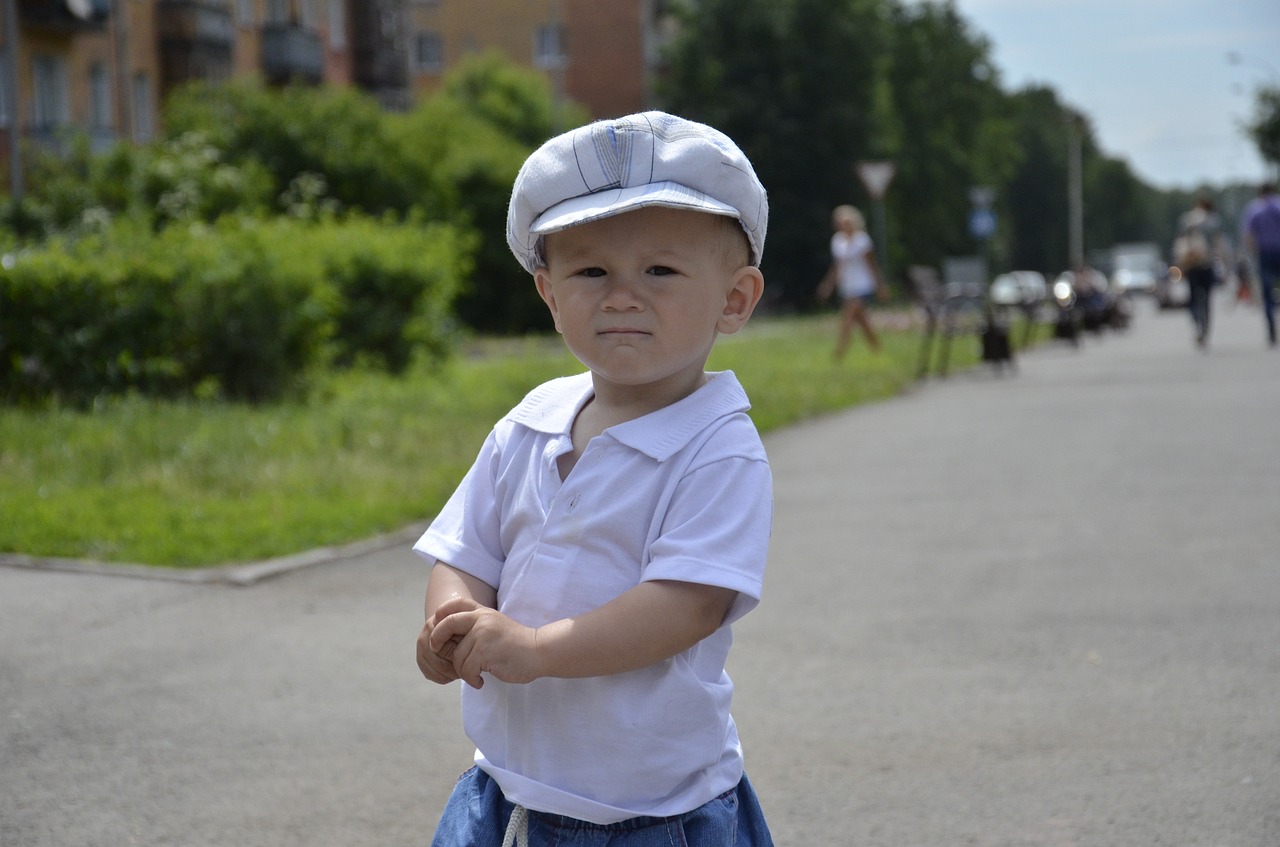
<point>239,150</point>
<point>76,322</point>
<point>396,286</point>
<point>482,163</point>
<point>483,125</point>
<point>242,309</point>
<point>340,134</point>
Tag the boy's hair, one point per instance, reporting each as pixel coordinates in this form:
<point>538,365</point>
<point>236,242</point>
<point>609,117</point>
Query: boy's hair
<point>615,166</point>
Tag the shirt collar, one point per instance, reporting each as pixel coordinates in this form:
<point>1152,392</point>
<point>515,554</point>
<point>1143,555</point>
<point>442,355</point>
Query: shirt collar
<point>552,406</point>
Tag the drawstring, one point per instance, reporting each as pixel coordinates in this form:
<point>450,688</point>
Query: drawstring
<point>517,828</point>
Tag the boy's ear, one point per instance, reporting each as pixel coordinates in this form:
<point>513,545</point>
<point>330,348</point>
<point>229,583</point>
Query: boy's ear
<point>543,283</point>
<point>741,300</point>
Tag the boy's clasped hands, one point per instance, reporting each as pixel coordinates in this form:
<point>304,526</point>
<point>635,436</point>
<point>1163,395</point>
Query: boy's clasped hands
<point>464,638</point>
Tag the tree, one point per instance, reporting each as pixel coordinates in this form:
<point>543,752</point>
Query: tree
<point>793,83</point>
<point>1036,193</point>
<point>950,131</point>
<point>477,132</point>
<point>1265,126</point>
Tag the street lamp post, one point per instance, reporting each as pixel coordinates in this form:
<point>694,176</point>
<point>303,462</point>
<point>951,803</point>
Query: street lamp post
<point>1075,194</point>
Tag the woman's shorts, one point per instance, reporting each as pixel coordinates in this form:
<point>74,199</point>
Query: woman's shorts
<point>477,815</point>
<point>864,299</point>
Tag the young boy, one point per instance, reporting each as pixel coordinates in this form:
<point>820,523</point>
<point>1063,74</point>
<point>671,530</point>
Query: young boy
<point>615,524</point>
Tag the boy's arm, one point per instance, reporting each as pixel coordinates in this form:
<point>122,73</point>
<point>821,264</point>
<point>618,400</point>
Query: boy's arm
<point>448,585</point>
<point>649,623</point>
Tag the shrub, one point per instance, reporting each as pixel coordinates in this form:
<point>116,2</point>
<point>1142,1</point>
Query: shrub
<point>243,309</point>
<point>482,163</point>
<point>395,286</point>
<point>339,134</point>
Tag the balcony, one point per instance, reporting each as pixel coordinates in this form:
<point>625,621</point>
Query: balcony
<point>66,17</point>
<point>291,54</point>
<point>196,40</point>
<point>194,22</point>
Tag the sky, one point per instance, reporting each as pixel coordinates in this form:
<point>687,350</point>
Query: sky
<point>1153,76</point>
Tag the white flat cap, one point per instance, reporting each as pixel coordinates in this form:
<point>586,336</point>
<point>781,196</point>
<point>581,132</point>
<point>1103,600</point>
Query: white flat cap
<point>615,166</point>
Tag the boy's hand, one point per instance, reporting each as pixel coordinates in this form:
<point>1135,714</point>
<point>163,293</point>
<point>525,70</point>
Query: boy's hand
<point>485,641</point>
<point>436,666</point>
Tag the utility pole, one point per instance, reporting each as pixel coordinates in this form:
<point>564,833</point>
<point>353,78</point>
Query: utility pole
<point>11,97</point>
<point>876,176</point>
<point>1075,194</point>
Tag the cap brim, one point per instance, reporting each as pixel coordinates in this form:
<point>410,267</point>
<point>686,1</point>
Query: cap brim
<point>615,201</point>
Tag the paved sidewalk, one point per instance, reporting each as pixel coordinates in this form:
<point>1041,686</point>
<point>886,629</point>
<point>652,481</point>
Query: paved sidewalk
<point>1038,609</point>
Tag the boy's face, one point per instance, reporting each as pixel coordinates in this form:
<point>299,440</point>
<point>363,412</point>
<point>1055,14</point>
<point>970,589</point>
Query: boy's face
<point>640,297</point>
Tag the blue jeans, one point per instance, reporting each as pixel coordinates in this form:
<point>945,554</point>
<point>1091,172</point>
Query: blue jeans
<point>1269,275</point>
<point>477,814</point>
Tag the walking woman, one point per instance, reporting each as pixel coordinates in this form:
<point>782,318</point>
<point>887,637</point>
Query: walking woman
<point>854,273</point>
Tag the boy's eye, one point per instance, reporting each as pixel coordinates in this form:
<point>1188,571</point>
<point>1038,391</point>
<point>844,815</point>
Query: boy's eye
<point>661,270</point>
<point>591,272</point>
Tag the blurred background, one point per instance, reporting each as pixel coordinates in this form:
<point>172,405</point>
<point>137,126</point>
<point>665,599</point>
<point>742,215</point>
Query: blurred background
<point>1034,138</point>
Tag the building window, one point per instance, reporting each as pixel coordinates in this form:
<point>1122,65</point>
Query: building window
<point>144,125</point>
<point>278,11</point>
<point>428,53</point>
<point>307,14</point>
<point>549,46</point>
<point>100,105</point>
<point>338,24</point>
<point>51,107</point>
<point>246,14</point>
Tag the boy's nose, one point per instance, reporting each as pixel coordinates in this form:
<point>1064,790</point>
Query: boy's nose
<point>621,293</point>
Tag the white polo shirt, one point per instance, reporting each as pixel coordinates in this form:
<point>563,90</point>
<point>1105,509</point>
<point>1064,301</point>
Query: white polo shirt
<point>685,494</point>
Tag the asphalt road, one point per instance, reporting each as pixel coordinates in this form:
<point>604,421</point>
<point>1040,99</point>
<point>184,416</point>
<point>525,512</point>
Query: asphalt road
<point>1035,609</point>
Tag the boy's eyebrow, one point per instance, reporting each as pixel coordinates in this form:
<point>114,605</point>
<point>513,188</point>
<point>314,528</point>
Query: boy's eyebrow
<point>592,253</point>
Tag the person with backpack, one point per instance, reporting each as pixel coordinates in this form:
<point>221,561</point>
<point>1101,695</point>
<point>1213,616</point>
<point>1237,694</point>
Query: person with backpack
<point>1260,235</point>
<point>1195,251</point>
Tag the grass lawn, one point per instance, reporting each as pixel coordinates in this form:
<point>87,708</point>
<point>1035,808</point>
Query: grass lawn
<point>191,484</point>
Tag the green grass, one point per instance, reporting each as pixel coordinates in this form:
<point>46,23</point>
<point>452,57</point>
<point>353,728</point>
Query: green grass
<point>192,484</point>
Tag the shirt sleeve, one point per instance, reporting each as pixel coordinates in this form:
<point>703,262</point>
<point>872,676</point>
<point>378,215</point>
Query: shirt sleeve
<point>716,530</point>
<point>467,532</point>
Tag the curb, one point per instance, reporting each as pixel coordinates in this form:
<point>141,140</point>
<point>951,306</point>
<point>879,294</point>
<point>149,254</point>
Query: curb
<point>240,574</point>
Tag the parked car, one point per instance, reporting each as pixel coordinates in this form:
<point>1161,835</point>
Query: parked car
<point>1135,268</point>
<point>1019,288</point>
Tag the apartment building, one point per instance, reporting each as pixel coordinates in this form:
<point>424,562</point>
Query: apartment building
<point>104,67</point>
<point>600,53</point>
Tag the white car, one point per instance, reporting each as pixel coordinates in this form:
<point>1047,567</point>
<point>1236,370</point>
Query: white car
<point>1135,269</point>
<point>1019,288</point>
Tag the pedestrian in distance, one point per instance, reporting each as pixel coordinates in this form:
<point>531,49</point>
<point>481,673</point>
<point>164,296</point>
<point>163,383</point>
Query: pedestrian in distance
<point>1260,236</point>
<point>587,571</point>
<point>1197,250</point>
<point>854,274</point>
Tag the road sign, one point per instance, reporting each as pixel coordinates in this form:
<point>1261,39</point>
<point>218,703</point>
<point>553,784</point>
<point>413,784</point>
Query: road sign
<point>876,176</point>
<point>982,223</point>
